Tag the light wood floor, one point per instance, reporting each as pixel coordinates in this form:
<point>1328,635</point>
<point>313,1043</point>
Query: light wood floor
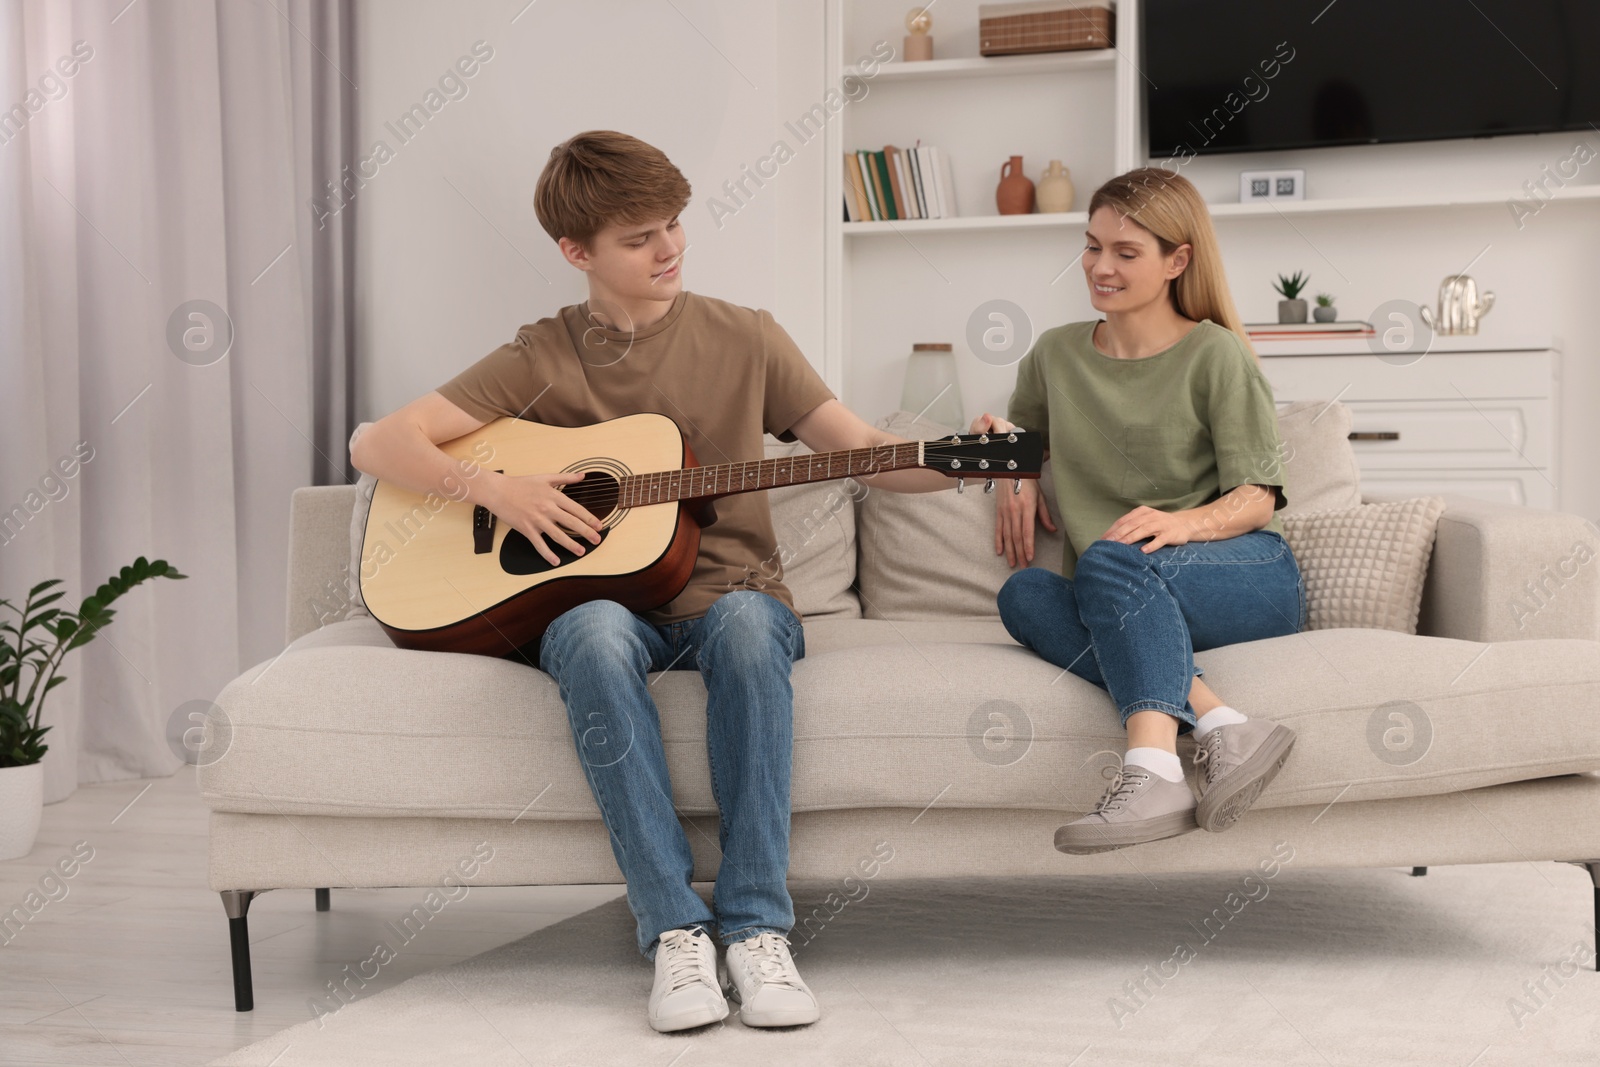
<point>131,966</point>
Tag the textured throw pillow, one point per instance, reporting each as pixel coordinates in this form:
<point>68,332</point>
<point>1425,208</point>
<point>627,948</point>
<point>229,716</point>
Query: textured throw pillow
<point>931,555</point>
<point>816,528</point>
<point>1319,466</point>
<point>1364,566</point>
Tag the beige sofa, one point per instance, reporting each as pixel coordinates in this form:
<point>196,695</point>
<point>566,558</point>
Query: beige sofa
<point>346,761</point>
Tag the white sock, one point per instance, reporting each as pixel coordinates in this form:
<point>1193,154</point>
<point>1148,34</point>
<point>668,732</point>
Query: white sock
<point>1159,760</point>
<point>1221,715</point>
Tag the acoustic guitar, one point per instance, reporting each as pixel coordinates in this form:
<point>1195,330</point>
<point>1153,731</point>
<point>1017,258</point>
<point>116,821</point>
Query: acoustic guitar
<point>444,575</point>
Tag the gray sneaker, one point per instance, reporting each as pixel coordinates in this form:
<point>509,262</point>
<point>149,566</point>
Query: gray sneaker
<point>1138,806</point>
<point>1233,764</point>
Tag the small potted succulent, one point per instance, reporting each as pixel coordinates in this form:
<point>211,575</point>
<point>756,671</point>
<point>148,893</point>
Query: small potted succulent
<point>37,641</point>
<point>1325,311</point>
<point>1291,308</point>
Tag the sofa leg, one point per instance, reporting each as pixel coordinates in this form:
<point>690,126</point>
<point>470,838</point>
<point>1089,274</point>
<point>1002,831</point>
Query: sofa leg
<point>1418,872</point>
<point>236,902</point>
<point>1593,867</point>
<point>323,903</point>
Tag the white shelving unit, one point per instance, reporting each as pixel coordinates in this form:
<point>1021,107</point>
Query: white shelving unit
<point>974,222</point>
<point>998,66</point>
<point>891,284</point>
<point>1336,205</point>
<point>1293,208</point>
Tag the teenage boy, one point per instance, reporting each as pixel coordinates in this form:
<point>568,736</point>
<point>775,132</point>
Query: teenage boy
<point>725,374</point>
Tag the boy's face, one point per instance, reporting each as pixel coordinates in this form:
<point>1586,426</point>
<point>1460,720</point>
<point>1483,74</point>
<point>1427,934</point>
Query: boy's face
<point>639,261</point>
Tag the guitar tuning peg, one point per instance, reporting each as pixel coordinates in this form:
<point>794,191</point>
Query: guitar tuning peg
<point>961,485</point>
<point>988,485</point>
<point>1016,486</point>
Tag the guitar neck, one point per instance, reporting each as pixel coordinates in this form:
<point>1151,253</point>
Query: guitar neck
<point>722,479</point>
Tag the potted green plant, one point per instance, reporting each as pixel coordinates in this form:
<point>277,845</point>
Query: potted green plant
<point>31,650</point>
<point>1325,311</point>
<point>1291,308</point>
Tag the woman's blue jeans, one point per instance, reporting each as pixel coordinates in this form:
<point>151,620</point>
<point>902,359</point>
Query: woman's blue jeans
<point>599,653</point>
<point>1130,621</point>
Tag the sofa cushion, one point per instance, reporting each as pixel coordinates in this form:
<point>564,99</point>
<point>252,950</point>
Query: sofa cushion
<point>815,524</point>
<point>1365,566</point>
<point>1320,472</point>
<point>931,555</point>
<point>896,714</point>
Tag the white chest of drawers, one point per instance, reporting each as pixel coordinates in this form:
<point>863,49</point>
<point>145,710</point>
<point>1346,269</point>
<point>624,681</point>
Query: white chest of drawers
<point>1464,418</point>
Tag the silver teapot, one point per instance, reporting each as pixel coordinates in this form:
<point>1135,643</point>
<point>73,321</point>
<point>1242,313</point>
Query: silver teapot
<point>1459,306</point>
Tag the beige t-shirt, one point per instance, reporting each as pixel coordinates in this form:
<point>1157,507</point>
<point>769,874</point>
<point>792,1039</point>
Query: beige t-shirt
<point>1174,430</point>
<point>725,374</point>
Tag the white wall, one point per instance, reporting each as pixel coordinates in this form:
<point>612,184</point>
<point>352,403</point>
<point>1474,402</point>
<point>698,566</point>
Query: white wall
<point>447,274</point>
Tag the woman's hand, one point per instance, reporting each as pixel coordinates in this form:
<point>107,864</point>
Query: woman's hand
<point>1014,512</point>
<point>1162,527</point>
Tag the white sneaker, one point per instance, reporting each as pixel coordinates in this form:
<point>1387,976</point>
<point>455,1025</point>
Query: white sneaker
<point>767,984</point>
<point>686,993</point>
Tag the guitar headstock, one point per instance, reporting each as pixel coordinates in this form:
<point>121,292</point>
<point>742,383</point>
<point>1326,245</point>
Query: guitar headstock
<point>1012,454</point>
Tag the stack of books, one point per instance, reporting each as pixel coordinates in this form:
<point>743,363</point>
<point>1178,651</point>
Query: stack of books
<point>1308,331</point>
<point>898,183</point>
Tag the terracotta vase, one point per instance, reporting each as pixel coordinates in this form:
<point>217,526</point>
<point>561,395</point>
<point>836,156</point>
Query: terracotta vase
<point>1055,189</point>
<point>1014,194</point>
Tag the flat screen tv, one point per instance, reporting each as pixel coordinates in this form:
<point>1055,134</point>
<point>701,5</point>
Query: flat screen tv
<point>1261,75</point>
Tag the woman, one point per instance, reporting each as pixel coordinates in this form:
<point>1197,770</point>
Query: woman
<point>1168,477</point>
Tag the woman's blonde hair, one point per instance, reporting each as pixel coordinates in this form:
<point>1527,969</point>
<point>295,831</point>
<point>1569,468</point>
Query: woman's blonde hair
<point>1168,205</point>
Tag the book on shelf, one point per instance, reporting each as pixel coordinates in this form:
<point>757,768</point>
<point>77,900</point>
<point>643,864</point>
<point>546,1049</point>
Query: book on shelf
<point>916,182</point>
<point>885,189</point>
<point>1308,329</point>
<point>904,202</point>
<point>898,184</point>
<point>856,208</point>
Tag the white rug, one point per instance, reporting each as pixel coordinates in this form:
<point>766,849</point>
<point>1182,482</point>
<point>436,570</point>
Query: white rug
<point>1327,969</point>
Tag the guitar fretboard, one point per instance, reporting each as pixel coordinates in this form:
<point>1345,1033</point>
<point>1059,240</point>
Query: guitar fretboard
<point>718,479</point>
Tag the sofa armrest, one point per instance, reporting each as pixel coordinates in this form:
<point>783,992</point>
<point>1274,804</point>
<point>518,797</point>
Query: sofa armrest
<point>1503,572</point>
<point>319,556</point>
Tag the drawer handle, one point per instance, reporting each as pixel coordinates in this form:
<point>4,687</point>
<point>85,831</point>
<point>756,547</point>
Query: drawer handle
<point>1374,435</point>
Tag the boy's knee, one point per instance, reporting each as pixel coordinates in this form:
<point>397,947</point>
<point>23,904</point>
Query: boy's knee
<point>746,626</point>
<point>594,630</point>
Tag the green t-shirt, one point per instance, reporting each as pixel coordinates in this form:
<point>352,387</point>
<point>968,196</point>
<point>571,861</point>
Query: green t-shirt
<point>1172,430</point>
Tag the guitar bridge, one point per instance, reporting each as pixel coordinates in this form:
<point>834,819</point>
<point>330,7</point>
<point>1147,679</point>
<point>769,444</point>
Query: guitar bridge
<point>483,521</point>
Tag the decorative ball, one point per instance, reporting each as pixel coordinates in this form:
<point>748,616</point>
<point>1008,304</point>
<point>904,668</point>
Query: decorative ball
<point>918,20</point>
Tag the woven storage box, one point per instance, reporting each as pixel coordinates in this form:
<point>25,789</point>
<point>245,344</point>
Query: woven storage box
<point>1045,26</point>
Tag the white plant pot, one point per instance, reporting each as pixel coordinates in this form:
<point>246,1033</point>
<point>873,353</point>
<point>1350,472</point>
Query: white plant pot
<point>21,807</point>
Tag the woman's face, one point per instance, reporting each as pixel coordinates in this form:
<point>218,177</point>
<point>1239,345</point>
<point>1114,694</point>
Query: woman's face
<point>1123,264</point>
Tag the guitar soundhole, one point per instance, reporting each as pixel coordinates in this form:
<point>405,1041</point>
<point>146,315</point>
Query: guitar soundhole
<point>598,493</point>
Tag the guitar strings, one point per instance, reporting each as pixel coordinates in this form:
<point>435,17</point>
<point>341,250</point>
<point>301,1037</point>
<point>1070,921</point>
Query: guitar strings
<point>581,492</point>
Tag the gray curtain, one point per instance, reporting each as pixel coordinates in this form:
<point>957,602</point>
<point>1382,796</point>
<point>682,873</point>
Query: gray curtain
<point>173,308</point>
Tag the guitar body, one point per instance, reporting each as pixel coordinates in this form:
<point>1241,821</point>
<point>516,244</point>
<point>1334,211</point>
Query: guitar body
<point>441,575</point>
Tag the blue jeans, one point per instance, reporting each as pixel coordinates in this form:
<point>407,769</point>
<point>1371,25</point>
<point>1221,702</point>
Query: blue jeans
<point>1131,621</point>
<point>599,654</point>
